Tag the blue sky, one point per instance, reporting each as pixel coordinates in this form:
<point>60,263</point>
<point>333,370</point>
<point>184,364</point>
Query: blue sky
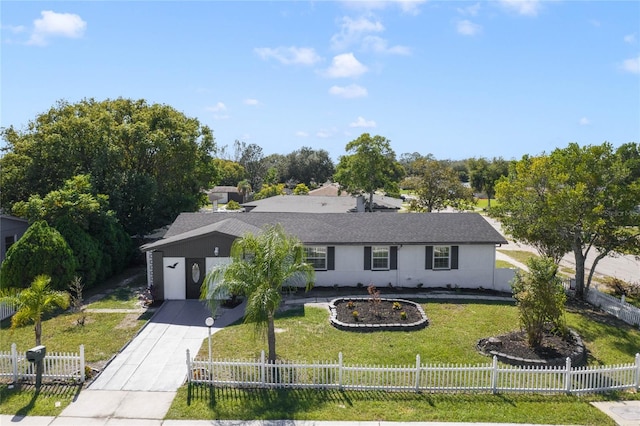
<point>454,79</point>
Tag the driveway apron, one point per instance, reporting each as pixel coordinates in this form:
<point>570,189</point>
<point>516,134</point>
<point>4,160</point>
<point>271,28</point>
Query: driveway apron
<point>155,360</point>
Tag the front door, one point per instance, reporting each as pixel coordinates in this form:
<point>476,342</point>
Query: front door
<point>195,271</point>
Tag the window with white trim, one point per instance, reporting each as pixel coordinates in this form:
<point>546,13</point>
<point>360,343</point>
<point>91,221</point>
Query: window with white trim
<point>380,258</point>
<point>441,257</point>
<point>317,257</point>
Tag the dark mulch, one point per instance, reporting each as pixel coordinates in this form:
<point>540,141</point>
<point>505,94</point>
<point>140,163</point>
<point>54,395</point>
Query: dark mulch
<point>381,312</point>
<point>515,344</point>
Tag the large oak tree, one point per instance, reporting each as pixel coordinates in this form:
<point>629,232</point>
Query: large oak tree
<point>151,160</point>
<point>577,199</point>
<point>369,165</point>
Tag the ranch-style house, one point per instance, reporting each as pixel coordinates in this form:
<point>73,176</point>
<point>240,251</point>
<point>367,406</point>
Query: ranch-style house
<point>417,250</point>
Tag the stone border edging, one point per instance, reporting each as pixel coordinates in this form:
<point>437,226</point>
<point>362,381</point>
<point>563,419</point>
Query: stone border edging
<point>578,356</point>
<point>363,327</point>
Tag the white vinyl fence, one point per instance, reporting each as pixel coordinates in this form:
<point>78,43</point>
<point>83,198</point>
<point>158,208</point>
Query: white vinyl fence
<point>6,311</point>
<point>614,306</point>
<point>58,366</point>
<point>490,377</point>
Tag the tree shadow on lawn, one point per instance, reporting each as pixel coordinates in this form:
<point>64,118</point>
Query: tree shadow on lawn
<point>288,404</point>
<point>26,400</point>
<point>594,323</point>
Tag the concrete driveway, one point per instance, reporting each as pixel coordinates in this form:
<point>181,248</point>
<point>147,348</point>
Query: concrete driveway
<point>155,360</point>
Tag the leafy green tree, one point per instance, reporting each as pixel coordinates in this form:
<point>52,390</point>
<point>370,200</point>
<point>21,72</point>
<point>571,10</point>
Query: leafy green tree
<point>309,166</point>
<point>251,158</point>
<point>261,266</point>
<point>576,199</point>
<point>370,165</point>
<point>484,174</point>
<point>34,302</point>
<point>438,187</point>
<point>269,191</point>
<point>151,160</point>
<point>91,230</point>
<point>40,251</point>
<point>231,172</point>
<point>540,297</point>
<point>271,177</point>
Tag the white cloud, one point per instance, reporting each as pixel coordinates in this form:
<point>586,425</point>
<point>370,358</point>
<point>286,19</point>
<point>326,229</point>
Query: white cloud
<point>302,134</point>
<point>631,65</point>
<point>469,10</point>
<point>411,7</point>
<point>584,121</point>
<point>352,31</point>
<point>466,27</point>
<point>523,7</point>
<point>630,38</point>
<point>346,65</point>
<point>217,107</point>
<point>218,111</point>
<point>361,122</point>
<point>324,134</point>
<point>290,55</point>
<point>379,45</point>
<point>14,29</point>
<point>349,92</point>
<point>595,23</point>
<point>54,24</point>
<point>251,102</point>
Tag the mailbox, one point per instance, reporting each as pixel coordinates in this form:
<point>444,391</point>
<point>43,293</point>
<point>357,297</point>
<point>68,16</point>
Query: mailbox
<point>36,354</point>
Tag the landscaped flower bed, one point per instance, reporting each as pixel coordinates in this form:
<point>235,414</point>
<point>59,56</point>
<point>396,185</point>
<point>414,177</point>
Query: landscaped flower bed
<point>367,314</point>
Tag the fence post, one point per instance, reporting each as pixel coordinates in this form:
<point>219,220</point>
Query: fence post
<point>567,376</point>
<point>82,367</point>
<point>263,368</point>
<point>340,370</point>
<point>637,371</point>
<point>14,362</point>
<point>189,372</point>
<point>417,373</point>
<point>494,375</point>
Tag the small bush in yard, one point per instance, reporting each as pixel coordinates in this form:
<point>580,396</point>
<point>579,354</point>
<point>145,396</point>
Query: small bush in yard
<point>540,297</point>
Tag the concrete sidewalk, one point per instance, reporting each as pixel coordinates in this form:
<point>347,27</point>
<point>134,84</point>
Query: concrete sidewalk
<point>92,421</point>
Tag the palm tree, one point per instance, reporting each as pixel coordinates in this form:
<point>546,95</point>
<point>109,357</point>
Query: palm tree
<point>244,188</point>
<point>34,302</point>
<point>261,265</point>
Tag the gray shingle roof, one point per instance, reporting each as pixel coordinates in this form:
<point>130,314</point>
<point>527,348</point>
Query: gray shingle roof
<point>342,228</point>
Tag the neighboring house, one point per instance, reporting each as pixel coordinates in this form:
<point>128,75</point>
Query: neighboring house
<point>11,229</point>
<point>322,204</point>
<point>224,194</point>
<point>402,250</point>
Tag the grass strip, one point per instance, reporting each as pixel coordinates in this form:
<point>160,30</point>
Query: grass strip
<point>206,403</point>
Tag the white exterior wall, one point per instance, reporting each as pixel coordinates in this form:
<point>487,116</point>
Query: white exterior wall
<point>476,268</point>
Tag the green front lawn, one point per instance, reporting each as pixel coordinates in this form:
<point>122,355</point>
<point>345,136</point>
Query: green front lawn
<point>103,334</point>
<point>324,405</point>
<point>455,327</point>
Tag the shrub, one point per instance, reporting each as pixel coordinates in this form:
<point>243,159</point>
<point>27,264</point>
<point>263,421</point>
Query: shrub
<point>403,315</point>
<point>540,298</point>
<point>233,205</point>
<point>42,250</point>
<point>620,287</point>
